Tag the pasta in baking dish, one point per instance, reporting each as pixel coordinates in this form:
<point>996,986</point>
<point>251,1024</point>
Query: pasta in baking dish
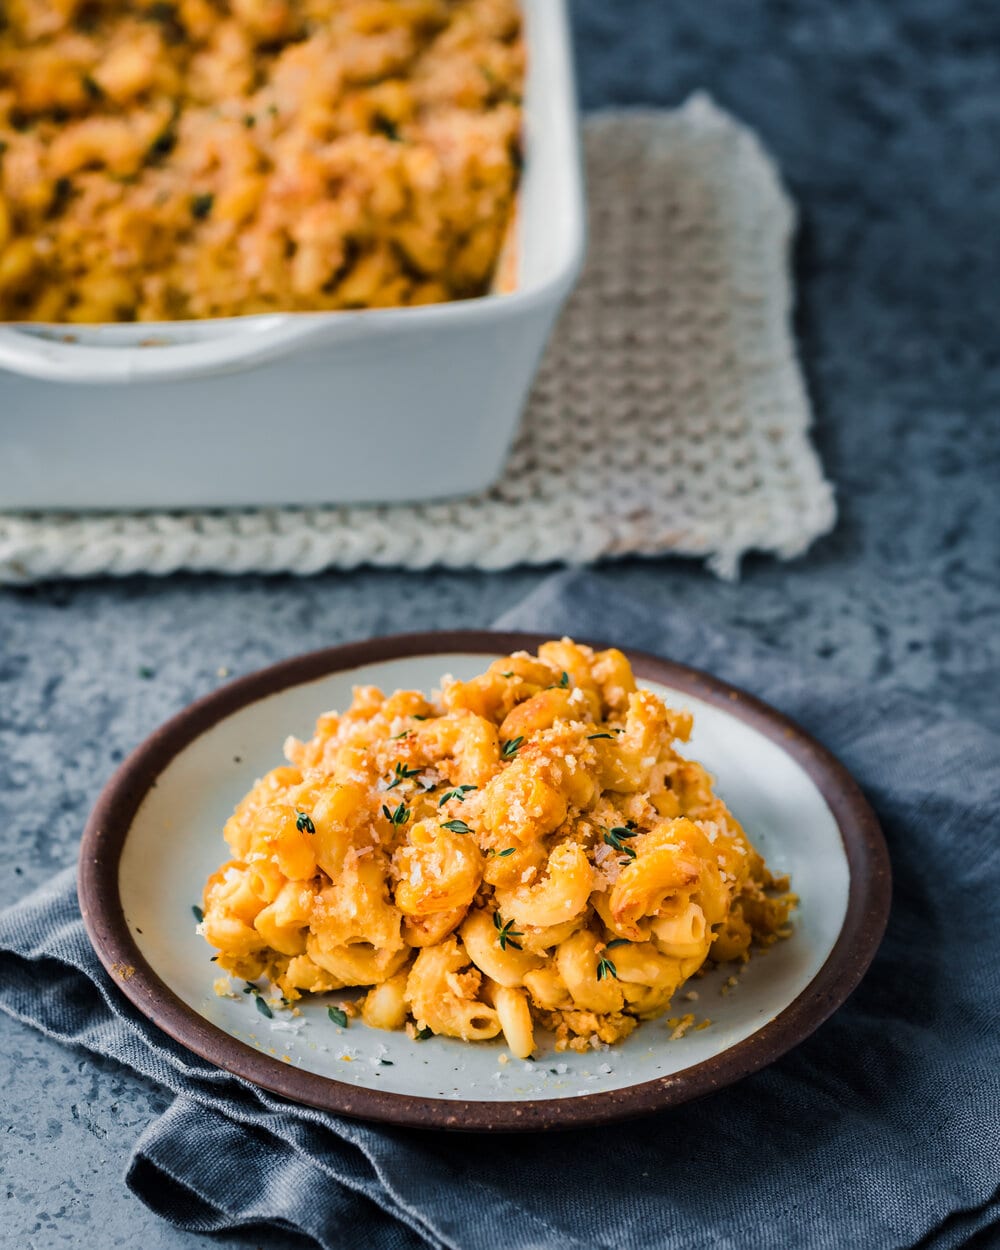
<point>524,849</point>
<point>163,160</point>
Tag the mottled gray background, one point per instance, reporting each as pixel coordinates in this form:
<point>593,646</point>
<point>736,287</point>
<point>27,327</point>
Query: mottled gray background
<point>885,119</point>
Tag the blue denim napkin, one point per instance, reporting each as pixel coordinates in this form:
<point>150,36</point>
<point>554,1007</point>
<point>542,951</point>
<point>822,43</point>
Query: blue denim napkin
<point>880,1131</point>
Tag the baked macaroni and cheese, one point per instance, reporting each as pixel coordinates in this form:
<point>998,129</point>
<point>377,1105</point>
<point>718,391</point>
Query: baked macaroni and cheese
<point>172,159</point>
<point>524,849</point>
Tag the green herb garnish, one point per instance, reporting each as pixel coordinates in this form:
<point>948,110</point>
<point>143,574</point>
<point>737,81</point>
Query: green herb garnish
<point>398,817</point>
<point>458,793</point>
<point>605,968</point>
<point>201,205</point>
<point>422,1034</point>
<point>617,942</point>
<point>510,674</point>
<point>145,672</point>
<point>402,773</point>
<point>386,1063</point>
<point>503,854</point>
<point>338,1016</point>
<point>264,1009</point>
<point>384,126</point>
<point>591,737</point>
<point>162,145</point>
<point>506,933</point>
<point>405,734</point>
<point>199,915</point>
<point>456,826</point>
<point>303,822</point>
<point>614,836</point>
<point>511,748</point>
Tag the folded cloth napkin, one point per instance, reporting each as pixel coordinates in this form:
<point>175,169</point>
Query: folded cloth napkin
<point>880,1131</point>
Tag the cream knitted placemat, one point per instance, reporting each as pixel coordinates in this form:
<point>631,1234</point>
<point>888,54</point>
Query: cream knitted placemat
<point>669,414</point>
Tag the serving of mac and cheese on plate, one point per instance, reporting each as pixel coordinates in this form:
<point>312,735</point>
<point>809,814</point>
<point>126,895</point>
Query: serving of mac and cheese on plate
<point>525,851</point>
<point>513,902</point>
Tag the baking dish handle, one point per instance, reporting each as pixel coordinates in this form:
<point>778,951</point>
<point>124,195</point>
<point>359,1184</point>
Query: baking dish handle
<point>150,353</point>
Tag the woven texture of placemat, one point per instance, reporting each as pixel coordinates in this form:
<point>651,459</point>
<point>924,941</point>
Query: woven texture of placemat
<point>669,414</point>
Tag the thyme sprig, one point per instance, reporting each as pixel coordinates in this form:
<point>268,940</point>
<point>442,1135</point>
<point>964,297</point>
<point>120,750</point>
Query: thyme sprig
<point>338,1015</point>
<point>402,773</point>
<point>506,933</point>
<point>458,793</point>
<point>199,915</point>
<point>303,822</point>
<point>614,837</point>
<point>605,968</point>
<point>511,748</point>
<point>457,826</point>
<point>398,817</point>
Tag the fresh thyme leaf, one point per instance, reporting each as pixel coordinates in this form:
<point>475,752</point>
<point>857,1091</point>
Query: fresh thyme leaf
<point>303,822</point>
<point>458,793</point>
<point>145,672</point>
<point>338,1016</point>
<point>456,826</point>
<point>398,817</point>
<point>213,958</point>
<point>504,854</point>
<point>591,737</point>
<point>605,968</point>
<point>249,989</point>
<point>422,1034</point>
<point>264,1009</point>
<point>415,717</point>
<point>201,205</point>
<point>388,128</point>
<point>386,1063</point>
<point>563,680</point>
<point>511,748</point>
<point>614,837</point>
<point>405,734</point>
<point>163,144</point>
<point>510,674</point>
<point>199,915</point>
<point>624,831</point>
<point>506,933</point>
<point>402,773</point>
<point>617,942</point>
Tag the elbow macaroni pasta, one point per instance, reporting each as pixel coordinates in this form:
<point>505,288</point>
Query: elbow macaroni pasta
<point>526,849</point>
<point>162,160</point>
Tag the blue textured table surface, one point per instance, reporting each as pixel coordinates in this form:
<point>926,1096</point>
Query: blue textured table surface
<point>886,121</point>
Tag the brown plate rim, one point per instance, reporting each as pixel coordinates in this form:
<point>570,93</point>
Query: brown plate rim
<point>869,896</point>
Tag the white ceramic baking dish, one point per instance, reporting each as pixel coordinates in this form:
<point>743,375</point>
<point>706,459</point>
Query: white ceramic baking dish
<point>306,408</point>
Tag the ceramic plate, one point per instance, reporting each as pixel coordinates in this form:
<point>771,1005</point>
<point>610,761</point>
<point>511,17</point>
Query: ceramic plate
<point>155,835</point>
